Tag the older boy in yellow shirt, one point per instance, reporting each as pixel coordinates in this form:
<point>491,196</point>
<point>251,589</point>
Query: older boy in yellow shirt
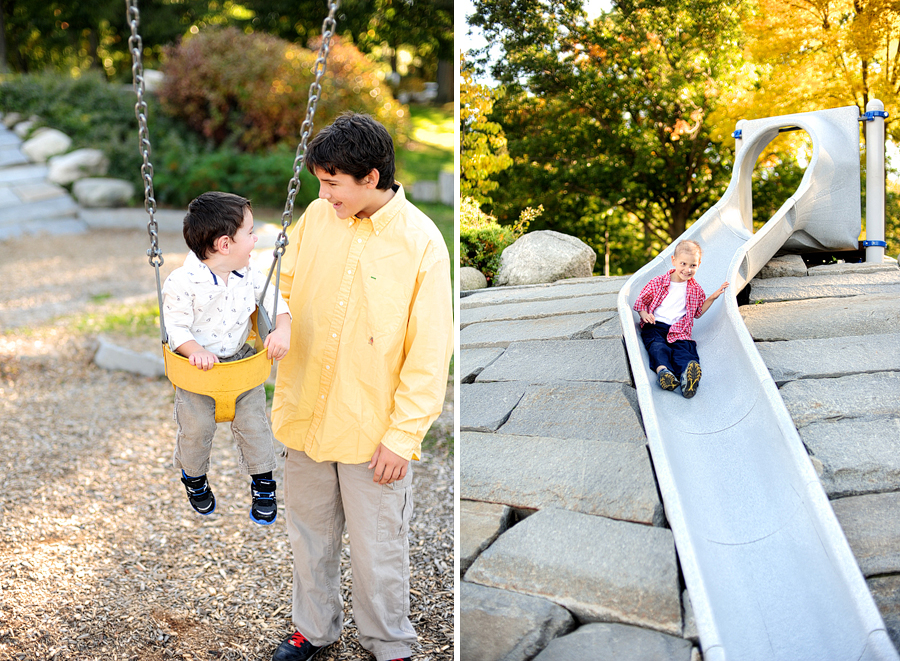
<point>367,278</point>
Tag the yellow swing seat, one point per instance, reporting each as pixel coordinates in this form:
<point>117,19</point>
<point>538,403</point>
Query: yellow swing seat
<point>225,381</point>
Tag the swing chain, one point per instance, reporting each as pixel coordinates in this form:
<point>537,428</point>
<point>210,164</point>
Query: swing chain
<point>135,45</point>
<point>315,90</point>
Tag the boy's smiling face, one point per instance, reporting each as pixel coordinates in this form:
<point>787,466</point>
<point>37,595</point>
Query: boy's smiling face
<point>348,196</point>
<point>686,262</point>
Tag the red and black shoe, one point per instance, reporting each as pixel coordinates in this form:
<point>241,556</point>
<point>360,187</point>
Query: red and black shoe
<point>296,648</point>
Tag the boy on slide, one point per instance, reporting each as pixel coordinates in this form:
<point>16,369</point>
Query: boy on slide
<point>668,306</point>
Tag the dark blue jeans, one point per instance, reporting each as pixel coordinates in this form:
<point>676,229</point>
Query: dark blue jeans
<point>674,355</point>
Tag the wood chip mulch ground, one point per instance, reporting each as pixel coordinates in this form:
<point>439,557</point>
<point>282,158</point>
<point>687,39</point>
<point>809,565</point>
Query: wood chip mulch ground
<point>101,557</point>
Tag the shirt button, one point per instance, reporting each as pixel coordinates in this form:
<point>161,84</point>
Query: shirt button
<point>328,367</point>
<point>359,240</point>
<point>334,335</point>
<point>350,271</point>
<point>341,303</point>
<point>322,396</point>
<point>376,232</point>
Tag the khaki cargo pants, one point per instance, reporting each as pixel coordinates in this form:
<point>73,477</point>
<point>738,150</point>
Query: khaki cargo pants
<point>319,499</point>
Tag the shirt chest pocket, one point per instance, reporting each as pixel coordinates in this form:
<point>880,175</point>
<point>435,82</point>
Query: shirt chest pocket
<point>386,305</point>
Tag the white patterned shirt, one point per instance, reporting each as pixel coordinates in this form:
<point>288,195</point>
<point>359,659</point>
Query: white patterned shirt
<point>198,305</point>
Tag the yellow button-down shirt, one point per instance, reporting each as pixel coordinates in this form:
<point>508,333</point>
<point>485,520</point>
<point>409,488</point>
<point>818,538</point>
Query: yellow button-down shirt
<point>371,335</point>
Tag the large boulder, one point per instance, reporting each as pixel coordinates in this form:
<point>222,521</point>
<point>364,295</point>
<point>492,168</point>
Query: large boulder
<point>545,256</point>
<point>46,142</point>
<point>783,266</point>
<point>500,625</point>
<point>22,129</point>
<point>10,119</point>
<point>77,165</point>
<point>101,192</point>
<point>471,278</point>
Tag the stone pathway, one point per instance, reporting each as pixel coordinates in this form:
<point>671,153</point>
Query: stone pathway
<point>561,524</point>
<point>29,204</point>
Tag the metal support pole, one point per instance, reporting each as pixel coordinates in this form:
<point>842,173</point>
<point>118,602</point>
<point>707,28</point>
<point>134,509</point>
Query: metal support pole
<point>874,242</point>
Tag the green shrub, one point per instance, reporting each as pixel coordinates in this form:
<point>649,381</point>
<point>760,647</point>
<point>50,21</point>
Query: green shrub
<point>482,239</point>
<point>181,175</point>
<point>83,108</point>
<point>87,109</point>
<point>251,89</point>
<point>97,114</point>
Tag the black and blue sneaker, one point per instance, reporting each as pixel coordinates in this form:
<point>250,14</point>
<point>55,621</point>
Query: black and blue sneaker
<point>199,494</point>
<point>264,508</point>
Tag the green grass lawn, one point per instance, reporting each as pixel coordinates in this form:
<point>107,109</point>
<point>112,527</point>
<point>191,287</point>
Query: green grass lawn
<point>442,215</point>
<point>429,151</point>
<point>430,147</point>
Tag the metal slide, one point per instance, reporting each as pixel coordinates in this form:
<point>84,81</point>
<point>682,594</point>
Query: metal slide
<point>769,571</point>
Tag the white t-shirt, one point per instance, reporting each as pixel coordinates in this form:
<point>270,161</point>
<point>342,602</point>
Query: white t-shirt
<point>673,306</point>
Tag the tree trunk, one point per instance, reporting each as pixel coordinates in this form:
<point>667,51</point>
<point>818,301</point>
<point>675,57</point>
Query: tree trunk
<point>678,224</point>
<point>606,254</point>
<point>445,82</point>
<point>93,45</point>
<point>4,67</point>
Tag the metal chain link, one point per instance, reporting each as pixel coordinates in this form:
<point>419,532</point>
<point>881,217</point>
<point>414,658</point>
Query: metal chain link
<point>135,45</point>
<point>315,89</point>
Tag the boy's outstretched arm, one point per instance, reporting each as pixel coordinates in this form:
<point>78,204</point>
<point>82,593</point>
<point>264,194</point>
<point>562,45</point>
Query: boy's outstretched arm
<point>712,297</point>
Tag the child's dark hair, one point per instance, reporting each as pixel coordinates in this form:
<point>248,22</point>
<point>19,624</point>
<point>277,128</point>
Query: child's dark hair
<point>354,144</point>
<point>210,216</point>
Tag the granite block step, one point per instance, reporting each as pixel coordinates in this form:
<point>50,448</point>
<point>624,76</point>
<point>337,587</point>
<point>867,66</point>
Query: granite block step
<point>599,569</point>
<point>604,478</point>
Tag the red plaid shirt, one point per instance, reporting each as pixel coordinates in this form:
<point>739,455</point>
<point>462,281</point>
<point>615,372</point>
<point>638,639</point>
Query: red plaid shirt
<point>652,295</point>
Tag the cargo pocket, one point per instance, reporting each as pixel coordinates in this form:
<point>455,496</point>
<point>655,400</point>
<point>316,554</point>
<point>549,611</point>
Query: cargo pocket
<point>395,509</point>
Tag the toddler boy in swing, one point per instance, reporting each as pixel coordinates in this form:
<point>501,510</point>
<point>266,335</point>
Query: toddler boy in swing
<point>207,305</point>
<point>668,305</point>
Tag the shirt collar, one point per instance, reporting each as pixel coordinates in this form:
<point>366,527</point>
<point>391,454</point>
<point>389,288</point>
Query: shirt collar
<point>383,217</point>
<point>691,283</point>
<point>200,272</point>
